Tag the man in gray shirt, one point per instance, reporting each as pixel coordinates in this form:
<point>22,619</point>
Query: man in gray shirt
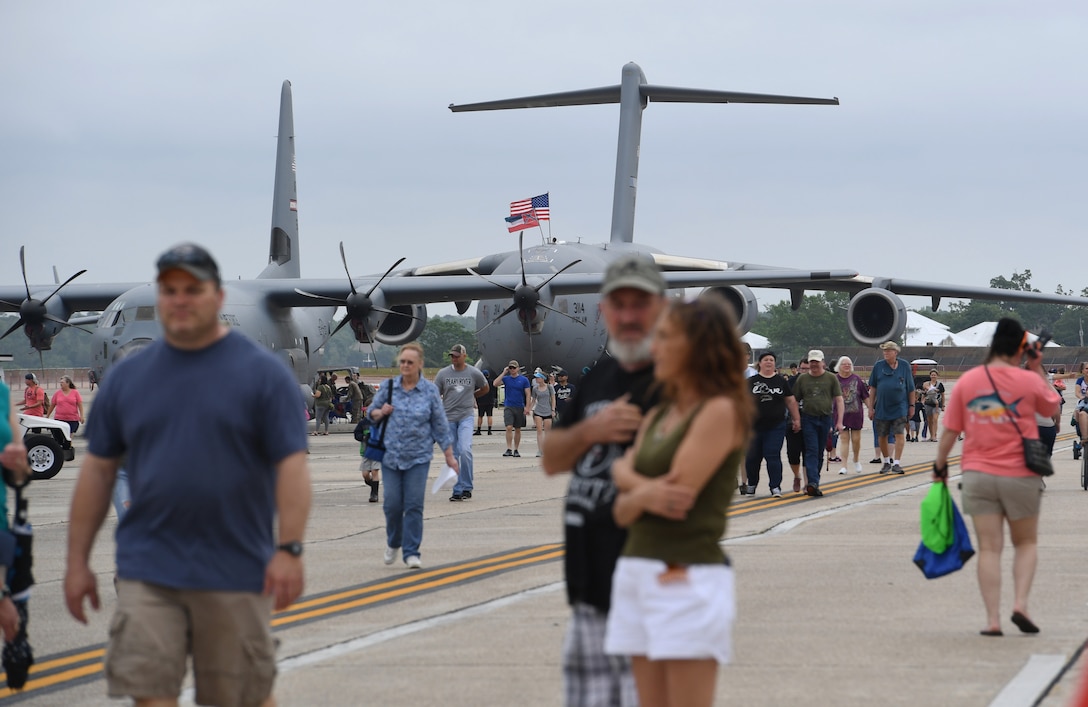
<point>459,384</point>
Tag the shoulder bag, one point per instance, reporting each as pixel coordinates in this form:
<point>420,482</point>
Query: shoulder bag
<point>375,443</point>
<point>1035,455</point>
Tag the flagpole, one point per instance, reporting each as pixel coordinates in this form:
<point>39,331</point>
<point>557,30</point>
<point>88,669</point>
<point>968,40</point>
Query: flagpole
<point>548,194</point>
<point>543,240</point>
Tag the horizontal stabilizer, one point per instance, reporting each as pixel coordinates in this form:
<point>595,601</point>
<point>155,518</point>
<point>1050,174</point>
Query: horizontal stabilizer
<point>583,97</point>
<point>676,94</point>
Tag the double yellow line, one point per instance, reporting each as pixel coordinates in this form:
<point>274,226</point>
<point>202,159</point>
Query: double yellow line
<point>87,663</point>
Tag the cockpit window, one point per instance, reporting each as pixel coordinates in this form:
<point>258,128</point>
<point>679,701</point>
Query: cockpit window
<point>145,314</point>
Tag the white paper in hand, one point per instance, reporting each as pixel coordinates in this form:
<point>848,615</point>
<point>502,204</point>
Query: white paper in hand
<point>444,477</point>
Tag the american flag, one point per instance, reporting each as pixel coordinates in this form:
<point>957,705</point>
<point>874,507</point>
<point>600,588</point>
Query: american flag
<point>537,203</point>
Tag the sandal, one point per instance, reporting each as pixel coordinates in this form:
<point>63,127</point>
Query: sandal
<point>797,484</point>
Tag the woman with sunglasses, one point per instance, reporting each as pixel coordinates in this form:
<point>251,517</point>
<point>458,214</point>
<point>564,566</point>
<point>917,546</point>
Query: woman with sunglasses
<point>672,597</point>
<point>416,421</point>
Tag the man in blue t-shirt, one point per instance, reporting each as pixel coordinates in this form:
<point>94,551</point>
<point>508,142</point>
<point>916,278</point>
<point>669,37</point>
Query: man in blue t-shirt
<point>198,568</point>
<point>515,408</point>
<point>891,403</point>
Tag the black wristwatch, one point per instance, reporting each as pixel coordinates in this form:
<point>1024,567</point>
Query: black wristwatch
<point>293,548</point>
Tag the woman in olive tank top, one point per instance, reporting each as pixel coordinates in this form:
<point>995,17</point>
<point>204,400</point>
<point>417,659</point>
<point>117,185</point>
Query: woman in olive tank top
<point>672,597</point>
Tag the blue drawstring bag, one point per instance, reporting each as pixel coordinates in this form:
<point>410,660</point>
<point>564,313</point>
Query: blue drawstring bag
<point>955,556</point>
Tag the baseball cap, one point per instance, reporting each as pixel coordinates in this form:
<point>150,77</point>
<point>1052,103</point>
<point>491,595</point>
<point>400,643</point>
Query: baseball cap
<point>889,345</point>
<point>513,364</point>
<point>538,374</point>
<point>636,272</point>
<point>458,349</point>
<point>192,259</point>
<point>30,377</point>
<point>560,373</point>
<point>815,355</point>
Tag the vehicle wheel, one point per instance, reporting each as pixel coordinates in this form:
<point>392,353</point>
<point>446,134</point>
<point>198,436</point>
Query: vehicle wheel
<point>45,456</point>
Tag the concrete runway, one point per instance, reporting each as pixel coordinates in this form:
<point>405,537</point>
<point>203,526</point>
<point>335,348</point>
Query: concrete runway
<point>830,608</point>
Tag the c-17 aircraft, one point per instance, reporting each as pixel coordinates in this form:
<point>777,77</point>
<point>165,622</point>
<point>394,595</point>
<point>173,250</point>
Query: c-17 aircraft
<point>551,288</point>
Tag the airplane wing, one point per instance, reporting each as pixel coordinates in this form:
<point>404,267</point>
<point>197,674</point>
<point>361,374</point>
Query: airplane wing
<point>405,290</point>
<point>77,297</point>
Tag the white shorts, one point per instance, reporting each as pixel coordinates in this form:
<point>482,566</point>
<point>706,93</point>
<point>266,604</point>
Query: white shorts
<point>681,619</point>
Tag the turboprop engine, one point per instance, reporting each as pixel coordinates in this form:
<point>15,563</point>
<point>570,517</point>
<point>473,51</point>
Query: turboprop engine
<point>404,325</point>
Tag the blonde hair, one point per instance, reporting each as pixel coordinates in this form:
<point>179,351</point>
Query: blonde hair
<point>412,346</point>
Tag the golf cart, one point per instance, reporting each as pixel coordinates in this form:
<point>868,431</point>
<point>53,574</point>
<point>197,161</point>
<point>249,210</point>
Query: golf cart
<point>45,454</point>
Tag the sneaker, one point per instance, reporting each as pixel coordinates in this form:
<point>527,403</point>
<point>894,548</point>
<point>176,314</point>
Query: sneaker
<point>489,433</point>
<point>743,488</point>
<point>413,562</point>
<point>896,469</point>
<point>476,433</point>
<point>538,454</point>
<point>857,467</point>
<point>466,495</point>
<point>811,490</point>
<point>751,490</point>
<point>390,555</point>
<point>457,497</point>
<point>515,454</point>
<point>776,492</point>
<point>508,453</point>
<point>886,468</point>
<point>842,471</point>
<point>875,460</point>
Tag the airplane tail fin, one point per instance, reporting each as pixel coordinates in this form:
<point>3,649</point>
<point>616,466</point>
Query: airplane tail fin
<point>633,93</point>
<point>283,254</point>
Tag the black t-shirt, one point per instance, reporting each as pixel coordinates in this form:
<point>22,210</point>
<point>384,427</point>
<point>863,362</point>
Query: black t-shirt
<point>593,539</point>
<point>770,396</point>
<point>563,395</point>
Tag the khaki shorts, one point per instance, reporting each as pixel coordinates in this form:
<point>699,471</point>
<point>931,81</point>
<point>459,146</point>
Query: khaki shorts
<point>1014,497</point>
<point>228,635</point>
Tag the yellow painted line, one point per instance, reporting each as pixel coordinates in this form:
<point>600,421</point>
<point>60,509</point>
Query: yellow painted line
<point>414,578</point>
<point>401,586</point>
<point>444,581</point>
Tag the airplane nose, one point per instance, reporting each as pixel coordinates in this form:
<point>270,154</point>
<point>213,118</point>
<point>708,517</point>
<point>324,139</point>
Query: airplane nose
<point>129,348</point>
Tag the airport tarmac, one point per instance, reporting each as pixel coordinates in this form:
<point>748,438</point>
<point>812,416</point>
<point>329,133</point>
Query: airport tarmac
<point>831,609</point>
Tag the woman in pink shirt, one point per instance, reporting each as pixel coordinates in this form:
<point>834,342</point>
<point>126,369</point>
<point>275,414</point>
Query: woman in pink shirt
<point>995,404</point>
<point>67,404</point>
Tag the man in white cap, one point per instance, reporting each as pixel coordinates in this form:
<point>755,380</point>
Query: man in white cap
<point>891,403</point>
<point>820,396</point>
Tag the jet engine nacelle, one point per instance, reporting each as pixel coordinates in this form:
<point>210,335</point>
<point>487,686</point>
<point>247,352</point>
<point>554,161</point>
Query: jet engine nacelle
<point>400,328</point>
<point>742,301</point>
<point>876,315</point>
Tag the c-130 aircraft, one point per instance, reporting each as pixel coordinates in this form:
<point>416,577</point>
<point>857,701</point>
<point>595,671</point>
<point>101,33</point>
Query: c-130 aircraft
<point>551,288</point>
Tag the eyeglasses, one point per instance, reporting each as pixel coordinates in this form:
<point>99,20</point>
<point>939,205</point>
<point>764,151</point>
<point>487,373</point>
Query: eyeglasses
<point>406,362</point>
<point>510,368</point>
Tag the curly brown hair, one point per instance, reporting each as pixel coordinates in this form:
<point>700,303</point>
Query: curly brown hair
<point>717,359</point>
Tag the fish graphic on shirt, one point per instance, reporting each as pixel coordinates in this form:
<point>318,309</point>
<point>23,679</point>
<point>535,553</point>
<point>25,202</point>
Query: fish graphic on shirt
<point>991,406</point>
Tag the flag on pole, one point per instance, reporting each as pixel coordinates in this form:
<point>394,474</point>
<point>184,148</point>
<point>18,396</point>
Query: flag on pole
<point>539,204</point>
<point>521,222</point>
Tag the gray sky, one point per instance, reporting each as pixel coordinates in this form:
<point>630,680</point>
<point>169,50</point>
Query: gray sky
<point>958,152</point>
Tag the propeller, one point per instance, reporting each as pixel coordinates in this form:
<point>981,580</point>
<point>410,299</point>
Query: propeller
<point>358,305</point>
<point>526,298</point>
<point>33,312</point>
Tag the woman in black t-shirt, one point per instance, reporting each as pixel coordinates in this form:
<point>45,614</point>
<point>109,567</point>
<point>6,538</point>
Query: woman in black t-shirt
<point>773,398</point>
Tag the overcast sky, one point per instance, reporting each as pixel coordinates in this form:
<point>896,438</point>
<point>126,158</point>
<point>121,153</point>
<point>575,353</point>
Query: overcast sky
<point>959,151</point>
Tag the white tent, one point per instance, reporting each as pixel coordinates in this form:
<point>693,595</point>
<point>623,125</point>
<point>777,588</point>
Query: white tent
<point>923,331</point>
<point>757,342</point>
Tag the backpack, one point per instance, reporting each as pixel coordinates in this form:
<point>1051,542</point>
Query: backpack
<point>362,430</point>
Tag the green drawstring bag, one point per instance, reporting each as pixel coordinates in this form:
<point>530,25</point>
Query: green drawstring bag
<point>936,516</point>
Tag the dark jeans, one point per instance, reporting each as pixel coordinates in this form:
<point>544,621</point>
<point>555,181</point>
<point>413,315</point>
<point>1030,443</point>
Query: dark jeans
<point>815,429</point>
<point>766,444</point>
<point>1047,435</point>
